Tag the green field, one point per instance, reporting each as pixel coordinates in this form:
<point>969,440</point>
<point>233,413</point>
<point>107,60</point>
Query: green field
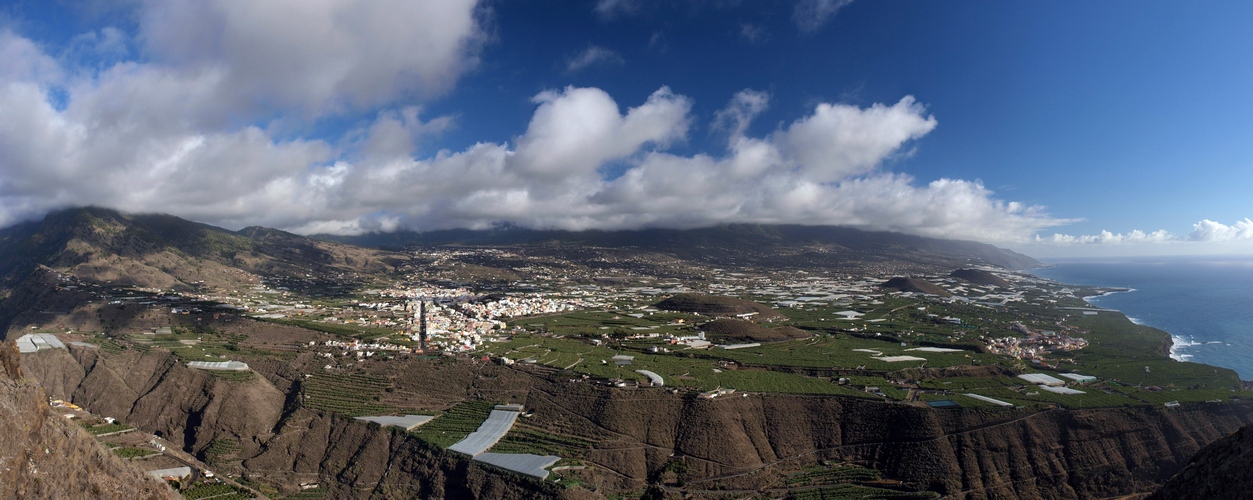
<point>1117,353</point>
<point>677,369</point>
<point>354,395</point>
<point>455,424</point>
<point>215,491</point>
<point>526,439</point>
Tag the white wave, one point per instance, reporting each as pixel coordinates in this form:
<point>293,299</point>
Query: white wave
<point>1178,344</point>
<point>1136,320</point>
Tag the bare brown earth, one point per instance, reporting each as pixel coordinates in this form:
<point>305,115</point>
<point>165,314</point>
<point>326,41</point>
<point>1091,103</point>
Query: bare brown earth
<point>735,443</point>
<point>916,285</point>
<point>42,455</point>
<point>1223,469</point>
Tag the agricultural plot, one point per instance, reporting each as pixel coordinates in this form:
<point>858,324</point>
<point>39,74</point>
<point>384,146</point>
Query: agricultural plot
<point>219,491</point>
<point>527,439</point>
<point>201,345</point>
<point>129,452</point>
<point>218,449</point>
<point>855,492</point>
<point>595,323</point>
<point>489,432</point>
<point>97,430</point>
<point>354,395</point>
<point>677,369</point>
<point>815,475</point>
<point>456,424</point>
<point>840,351</point>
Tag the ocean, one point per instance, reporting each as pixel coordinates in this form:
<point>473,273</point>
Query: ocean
<point>1205,303</point>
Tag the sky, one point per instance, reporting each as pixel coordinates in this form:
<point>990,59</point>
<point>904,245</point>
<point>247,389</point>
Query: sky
<point>1053,128</point>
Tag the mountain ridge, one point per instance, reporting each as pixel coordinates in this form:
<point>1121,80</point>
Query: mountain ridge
<point>160,250</point>
<point>688,242</point>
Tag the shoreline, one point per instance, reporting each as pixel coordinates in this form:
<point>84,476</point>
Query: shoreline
<point>1173,343</point>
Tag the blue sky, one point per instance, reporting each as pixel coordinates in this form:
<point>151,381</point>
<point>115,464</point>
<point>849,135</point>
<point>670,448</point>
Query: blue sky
<point>1056,128</point>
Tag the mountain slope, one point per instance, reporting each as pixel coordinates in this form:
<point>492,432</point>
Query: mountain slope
<point>163,251</point>
<point>45,456</point>
<point>1223,469</point>
<point>751,243</point>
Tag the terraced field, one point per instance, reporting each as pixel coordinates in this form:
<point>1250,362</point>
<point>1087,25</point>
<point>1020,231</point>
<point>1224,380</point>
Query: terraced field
<point>354,395</point>
<point>455,424</point>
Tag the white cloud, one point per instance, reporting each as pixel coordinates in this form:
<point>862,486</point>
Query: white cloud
<point>839,140</point>
<point>1208,230</point>
<point>753,33</point>
<point>1108,238</point>
<point>607,9</point>
<point>1205,231</point>
<point>810,15</point>
<point>24,61</point>
<point>163,136</point>
<point>593,54</point>
<point>311,57</point>
<point>741,111</point>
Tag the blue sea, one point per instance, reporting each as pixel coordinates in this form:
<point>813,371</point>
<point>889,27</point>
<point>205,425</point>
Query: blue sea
<point>1205,303</point>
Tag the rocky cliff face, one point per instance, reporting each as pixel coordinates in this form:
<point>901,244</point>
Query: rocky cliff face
<point>42,455</point>
<point>1224,469</point>
<point>739,443</point>
<point>745,442</point>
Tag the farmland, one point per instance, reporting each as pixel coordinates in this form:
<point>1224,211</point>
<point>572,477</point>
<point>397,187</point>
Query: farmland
<point>353,394</point>
<point>455,424</point>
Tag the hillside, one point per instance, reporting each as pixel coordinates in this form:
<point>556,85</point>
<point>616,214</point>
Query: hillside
<point>1220,470</point>
<point>43,455</point>
<point>767,245</point>
<point>163,251</point>
<point>916,285</point>
<point>980,277</point>
<point>728,443</point>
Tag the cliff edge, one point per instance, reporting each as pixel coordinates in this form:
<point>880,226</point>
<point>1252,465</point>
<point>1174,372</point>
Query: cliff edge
<point>43,455</point>
<point>1220,470</point>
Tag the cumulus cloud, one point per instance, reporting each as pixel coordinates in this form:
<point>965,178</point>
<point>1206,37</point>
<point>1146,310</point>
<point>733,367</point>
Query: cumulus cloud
<point>810,15</point>
<point>311,57</point>
<point>164,135</point>
<point>593,54</point>
<point>1108,238</point>
<point>1208,230</point>
<point>1205,231</point>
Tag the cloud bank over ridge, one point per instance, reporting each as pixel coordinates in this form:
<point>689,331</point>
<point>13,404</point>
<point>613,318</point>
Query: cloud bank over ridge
<point>206,125</point>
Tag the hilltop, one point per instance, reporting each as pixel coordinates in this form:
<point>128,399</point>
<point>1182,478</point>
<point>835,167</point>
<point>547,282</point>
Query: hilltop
<point>916,285</point>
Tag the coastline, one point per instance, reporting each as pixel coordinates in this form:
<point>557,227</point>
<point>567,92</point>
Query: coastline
<point>1172,344</point>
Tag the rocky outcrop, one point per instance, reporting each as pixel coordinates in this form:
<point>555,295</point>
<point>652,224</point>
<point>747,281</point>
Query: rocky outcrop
<point>156,392</point>
<point>42,455</point>
<point>1224,469</point>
